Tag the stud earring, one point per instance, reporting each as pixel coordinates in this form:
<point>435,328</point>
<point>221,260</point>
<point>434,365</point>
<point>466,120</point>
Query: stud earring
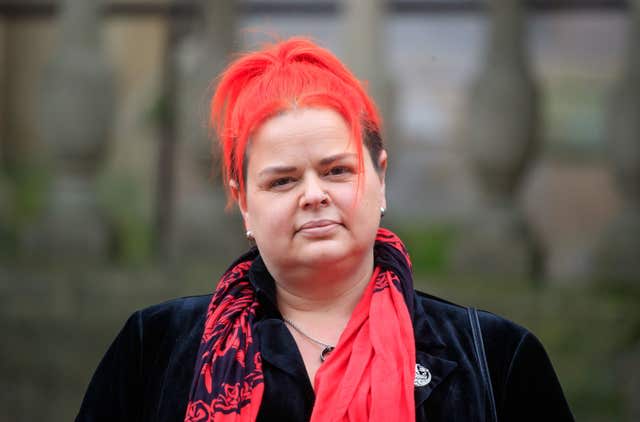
<point>382,211</point>
<point>249,235</point>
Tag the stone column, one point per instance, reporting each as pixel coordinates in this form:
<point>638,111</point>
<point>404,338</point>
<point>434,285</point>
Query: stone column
<point>617,256</point>
<point>501,143</point>
<point>5,238</point>
<point>364,29</point>
<point>74,119</point>
<point>3,95</point>
<point>365,38</point>
<point>202,228</point>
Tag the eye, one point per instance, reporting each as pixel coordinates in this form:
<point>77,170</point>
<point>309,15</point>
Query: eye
<point>280,182</point>
<point>339,170</point>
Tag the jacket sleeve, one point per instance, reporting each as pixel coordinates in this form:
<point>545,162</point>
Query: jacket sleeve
<point>532,391</point>
<point>114,393</point>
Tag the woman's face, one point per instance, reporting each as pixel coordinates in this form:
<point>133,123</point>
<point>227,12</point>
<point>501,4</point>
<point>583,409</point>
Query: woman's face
<point>301,198</point>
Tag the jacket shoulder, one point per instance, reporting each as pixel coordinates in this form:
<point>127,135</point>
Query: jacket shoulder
<point>173,316</point>
<point>491,324</point>
<point>129,381</point>
<point>186,304</point>
<point>521,373</point>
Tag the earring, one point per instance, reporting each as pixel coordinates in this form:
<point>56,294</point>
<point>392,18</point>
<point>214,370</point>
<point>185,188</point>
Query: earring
<point>249,235</point>
<point>382,211</point>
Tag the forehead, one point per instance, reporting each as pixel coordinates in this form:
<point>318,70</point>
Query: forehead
<point>310,130</point>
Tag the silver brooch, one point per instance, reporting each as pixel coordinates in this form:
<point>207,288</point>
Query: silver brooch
<point>423,376</point>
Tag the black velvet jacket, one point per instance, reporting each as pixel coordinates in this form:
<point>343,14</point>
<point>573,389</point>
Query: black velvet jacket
<point>146,373</point>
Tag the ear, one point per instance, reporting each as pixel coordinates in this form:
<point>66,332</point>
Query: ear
<point>382,171</point>
<point>242,202</point>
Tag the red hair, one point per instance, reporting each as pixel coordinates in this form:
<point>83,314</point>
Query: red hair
<point>283,76</point>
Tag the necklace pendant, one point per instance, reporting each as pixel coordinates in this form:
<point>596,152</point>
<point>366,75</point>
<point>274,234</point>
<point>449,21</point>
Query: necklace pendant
<point>325,352</point>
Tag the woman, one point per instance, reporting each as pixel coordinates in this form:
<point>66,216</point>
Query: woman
<point>320,320</point>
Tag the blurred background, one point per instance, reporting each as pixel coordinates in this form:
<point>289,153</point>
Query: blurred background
<point>513,129</point>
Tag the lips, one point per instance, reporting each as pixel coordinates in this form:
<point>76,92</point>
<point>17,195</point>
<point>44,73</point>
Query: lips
<point>318,227</point>
<point>316,223</point>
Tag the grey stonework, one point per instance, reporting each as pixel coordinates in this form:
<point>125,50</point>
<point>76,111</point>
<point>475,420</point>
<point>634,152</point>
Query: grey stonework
<point>202,227</point>
<point>3,91</point>
<point>75,116</point>
<point>364,30</point>
<point>617,256</point>
<point>501,143</point>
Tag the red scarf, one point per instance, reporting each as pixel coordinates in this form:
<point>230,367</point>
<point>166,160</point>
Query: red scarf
<point>368,377</point>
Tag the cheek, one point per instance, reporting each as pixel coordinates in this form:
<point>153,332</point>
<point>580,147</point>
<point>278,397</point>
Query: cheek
<point>363,214</point>
<point>369,204</point>
<point>346,197</point>
<point>269,214</point>
<point>371,194</point>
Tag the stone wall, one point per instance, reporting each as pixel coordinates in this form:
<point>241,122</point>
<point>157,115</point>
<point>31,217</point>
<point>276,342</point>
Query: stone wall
<point>430,180</point>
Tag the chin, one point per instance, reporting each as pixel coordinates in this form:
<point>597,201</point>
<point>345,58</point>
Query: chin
<point>325,253</point>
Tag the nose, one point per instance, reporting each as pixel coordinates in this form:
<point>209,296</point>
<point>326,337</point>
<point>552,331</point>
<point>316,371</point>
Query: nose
<point>313,195</point>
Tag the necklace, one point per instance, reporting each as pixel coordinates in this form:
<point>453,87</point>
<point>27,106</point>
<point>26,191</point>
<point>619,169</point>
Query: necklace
<point>327,348</point>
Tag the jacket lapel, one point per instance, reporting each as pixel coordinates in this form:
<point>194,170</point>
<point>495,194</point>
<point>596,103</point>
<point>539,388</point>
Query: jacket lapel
<point>431,368</point>
<point>430,372</point>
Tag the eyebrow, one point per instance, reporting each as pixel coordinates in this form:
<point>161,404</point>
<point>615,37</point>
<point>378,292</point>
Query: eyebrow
<point>337,157</point>
<point>288,169</point>
<point>276,170</point>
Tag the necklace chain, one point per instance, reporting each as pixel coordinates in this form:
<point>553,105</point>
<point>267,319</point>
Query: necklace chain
<point>318,342</point>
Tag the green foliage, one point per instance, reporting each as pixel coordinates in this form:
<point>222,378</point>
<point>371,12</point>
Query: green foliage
<point>429,246</point>
<point>27,193</point>
<point>22,198</point>
<point>160,110</point>
<point>123,202</point>
<point>7,235</point>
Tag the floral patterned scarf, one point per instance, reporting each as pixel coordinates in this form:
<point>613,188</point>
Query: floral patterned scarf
<point>369,375</point>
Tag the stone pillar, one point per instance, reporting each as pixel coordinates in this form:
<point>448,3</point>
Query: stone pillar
<point>3,96</point>
<point>365,40</point>
<point>5,238</point>
<point>364,29</point>
<point>22,174</point>
<point>501,143</point>
<point>202,228</point>
<point>617,256</point>
<point>74,120</point>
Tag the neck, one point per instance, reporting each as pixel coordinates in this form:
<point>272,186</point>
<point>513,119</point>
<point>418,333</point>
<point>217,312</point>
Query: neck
<point>305,295</point>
